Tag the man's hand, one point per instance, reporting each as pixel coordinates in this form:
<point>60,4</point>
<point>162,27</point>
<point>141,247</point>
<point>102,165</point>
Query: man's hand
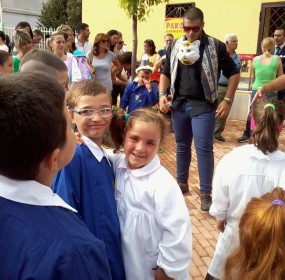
<point>223,109</point>
<point>259,95</point>
<point>162,102</point>
<point>161,275</point>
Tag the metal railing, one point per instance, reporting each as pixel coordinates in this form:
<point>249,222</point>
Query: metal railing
<point>9,29</point>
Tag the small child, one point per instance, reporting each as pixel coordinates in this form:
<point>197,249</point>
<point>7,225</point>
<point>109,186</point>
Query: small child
<point>41,237</point>
<point>261,254</point>
<point>245,172</point>
<point>6,63</point>
<point>87,182</point>
<point>140,93</point>
<point>154,220</point>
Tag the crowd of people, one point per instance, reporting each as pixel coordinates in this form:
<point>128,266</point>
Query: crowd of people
<point>87,212</point>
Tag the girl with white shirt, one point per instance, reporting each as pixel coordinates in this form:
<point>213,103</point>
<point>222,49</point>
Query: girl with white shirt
<point>154,220</point>
<point>245,172</point>
<point>57,45</point>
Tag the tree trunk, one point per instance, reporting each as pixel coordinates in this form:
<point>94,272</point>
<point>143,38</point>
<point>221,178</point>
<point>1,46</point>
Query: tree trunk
<point>135,46</point>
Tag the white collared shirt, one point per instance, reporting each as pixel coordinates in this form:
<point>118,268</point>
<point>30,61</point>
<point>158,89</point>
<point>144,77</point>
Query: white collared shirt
<point>86,47</point>
<point>30,192</point>
<point>98,152</point>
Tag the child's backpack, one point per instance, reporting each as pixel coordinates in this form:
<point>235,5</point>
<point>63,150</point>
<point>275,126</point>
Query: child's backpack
<point>82,65</point>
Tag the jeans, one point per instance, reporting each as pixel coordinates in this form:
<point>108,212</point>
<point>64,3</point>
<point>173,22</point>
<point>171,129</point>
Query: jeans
<point>201,127</point>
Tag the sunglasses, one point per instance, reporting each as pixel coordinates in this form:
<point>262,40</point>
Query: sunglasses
<point>194,29</point>
<point>104,41</point>
<point>120,43</point>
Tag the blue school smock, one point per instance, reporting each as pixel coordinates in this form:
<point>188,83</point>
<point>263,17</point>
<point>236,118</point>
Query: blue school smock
<point>136,96</point>
<point>47,242</point>
<point>88,186</point>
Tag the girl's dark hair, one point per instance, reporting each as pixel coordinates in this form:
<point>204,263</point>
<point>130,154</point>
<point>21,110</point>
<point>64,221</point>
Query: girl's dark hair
<point>3,57</point>
<point>125,58</point>
<point>109,34</point>
<point>121,122</point>
<point>23,25</point>
<point>267,121</point>
<point>151,44</point>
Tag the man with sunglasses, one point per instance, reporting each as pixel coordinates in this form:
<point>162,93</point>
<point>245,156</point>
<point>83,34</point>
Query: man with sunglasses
<point>195,104</point>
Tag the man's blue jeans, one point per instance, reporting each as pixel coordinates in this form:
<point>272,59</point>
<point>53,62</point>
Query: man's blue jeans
<point>201,128</point>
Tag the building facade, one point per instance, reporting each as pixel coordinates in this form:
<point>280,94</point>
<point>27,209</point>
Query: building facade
<point>250,20</point>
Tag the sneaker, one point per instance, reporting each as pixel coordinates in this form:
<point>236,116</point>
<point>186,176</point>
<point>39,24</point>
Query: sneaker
<point>206,201</point>
<point>183,187</point>
<point>243,139</point>
<point>220,138</point>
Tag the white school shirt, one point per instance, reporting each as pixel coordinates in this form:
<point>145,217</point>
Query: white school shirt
<point>154,220</point>
<point>30,192</point>
<point>242,174</point>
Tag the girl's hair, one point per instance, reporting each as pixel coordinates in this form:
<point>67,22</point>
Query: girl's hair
<point>97,40</point>
<point>51,38</point>
<point>23,25</point>
<point>85,87</point>
<point>4,56</point>
<point>21,37</point>
<point>151,44</point>
<point>261,254</point>
<point>268,119</point>
<point>66,28</point>
<point>268,45</point>
<point>121,122</point>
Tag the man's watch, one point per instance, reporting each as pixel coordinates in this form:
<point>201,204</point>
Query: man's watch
<point>229,100</point>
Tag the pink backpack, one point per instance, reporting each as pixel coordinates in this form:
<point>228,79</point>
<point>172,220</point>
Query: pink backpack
<point>83,67</point>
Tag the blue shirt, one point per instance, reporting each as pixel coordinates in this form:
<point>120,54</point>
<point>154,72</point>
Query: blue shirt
<point>136,96</point>
<point>88,186</point>
<point>223,80</point>
<point>48,242</point>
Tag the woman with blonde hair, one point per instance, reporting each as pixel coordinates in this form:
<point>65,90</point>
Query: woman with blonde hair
<point>57,45</point>
<point>102,59</point>
<point>261,254</point>
<point>70,42</point>
<point>265,68</point>
<point>23,43</point>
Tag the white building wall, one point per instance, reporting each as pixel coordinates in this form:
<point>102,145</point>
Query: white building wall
<point>14,11</point>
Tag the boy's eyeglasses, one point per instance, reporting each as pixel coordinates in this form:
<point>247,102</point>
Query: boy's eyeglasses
<point>89,113</point>
<point>194,29</point>
<point>120,43</point>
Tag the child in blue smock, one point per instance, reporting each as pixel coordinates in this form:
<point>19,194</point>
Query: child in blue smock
<point>140,93</point>
<point>87,182</point>
<point>41,237</point>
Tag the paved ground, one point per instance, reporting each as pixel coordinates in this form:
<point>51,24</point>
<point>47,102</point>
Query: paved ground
<point>203,225</point>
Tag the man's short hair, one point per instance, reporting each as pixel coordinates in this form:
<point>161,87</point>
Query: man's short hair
<point>38,32</point>
<point>282,28</point>
<point>44,61</point>
<point>194,13</point>
<point>32,122</point>
<point>81,26</point>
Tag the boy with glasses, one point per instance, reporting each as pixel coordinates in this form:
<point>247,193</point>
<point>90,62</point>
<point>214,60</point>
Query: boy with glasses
<point>87,182</point>
<point>195,104</point>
